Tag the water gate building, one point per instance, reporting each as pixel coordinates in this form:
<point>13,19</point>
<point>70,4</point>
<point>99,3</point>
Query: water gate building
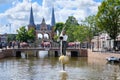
<point>43,31</point>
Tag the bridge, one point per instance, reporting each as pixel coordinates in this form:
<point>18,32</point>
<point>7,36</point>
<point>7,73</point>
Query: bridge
<point>73,51</point>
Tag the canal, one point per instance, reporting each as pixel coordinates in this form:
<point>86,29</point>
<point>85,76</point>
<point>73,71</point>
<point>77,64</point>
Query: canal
<point>49,68</point>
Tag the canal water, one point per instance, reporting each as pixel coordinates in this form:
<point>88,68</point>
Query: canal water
<point>49,68</point>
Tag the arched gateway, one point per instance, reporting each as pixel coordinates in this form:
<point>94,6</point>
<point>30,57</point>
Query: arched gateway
<point>43,31</point>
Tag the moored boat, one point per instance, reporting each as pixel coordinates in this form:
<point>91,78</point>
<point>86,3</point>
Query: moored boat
<point>113,59</point>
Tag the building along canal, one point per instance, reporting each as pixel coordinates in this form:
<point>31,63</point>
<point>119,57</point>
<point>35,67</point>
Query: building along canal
<point>48,68</point>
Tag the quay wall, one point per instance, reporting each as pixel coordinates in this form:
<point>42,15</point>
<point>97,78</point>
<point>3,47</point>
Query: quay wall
<point>102,55</point>
<point>83,53</point>
<point>6,53</point>
<point>10,53</point>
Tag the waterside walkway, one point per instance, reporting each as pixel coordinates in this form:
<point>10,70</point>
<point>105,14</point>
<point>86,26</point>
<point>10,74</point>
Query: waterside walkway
<point>102,55</point>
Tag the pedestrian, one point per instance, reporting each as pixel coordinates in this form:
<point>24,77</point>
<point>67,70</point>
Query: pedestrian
<point>10,44</point>
<point>13,44</point>
<point>18,43</point>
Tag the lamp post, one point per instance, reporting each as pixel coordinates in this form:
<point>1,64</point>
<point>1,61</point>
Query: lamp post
<point>98,41</point>
<point>9,26</point>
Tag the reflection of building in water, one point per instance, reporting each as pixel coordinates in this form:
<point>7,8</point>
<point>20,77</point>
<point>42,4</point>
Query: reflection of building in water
<point>42,31</point>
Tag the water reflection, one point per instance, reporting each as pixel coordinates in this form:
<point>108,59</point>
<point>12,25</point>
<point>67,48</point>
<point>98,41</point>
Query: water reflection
<point>49,68</point>
<point>63,75</point>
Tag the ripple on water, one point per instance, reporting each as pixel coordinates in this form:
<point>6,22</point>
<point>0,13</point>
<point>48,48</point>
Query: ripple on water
<point>49,69</point>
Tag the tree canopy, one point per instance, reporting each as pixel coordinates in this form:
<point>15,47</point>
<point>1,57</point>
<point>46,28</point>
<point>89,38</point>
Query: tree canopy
<point>91,28</point>
<point>25,35</point>
<point>71,21</point>
<point>59,26</point>
<point>108,18</point>
<point>74,31</point>
<point>70,27</point>
<point>11,37</point>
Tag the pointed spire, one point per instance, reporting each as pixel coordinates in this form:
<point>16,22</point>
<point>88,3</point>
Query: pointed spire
<point>43,20</point>
<point>53,18</point>
<point>31,22</point>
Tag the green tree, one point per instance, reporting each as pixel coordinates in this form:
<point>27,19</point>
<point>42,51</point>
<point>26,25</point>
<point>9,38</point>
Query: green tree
<point>78,33</point>
<point>92,29</point>
<point>24,35</point>
<point>31,35</point>
<point>71,21</point>
<point>70,32</point>
<point>11,37</point>
<point>70,26</point>
<point>108,18</point>
<point>59,26</point>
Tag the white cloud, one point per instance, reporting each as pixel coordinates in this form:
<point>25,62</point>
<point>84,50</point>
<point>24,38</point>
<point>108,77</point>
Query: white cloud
<point>78,8</point>
<point>18,14</point>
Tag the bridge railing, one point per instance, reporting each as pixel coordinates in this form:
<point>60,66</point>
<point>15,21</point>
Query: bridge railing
<point>52,45</point>
<point>72,45</point>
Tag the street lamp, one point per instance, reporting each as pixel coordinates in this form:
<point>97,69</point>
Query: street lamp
<point>9,25</point>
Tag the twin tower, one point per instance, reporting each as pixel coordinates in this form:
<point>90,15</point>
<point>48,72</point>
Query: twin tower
<point>43,31</point>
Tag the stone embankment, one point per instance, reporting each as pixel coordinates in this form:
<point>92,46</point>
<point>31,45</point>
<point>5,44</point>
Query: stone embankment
<point>5,53</point>
<point>102,55</point>
<point>92,55</point>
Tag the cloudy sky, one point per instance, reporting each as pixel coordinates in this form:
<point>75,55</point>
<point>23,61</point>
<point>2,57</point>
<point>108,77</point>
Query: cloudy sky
<point>15,13</point>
